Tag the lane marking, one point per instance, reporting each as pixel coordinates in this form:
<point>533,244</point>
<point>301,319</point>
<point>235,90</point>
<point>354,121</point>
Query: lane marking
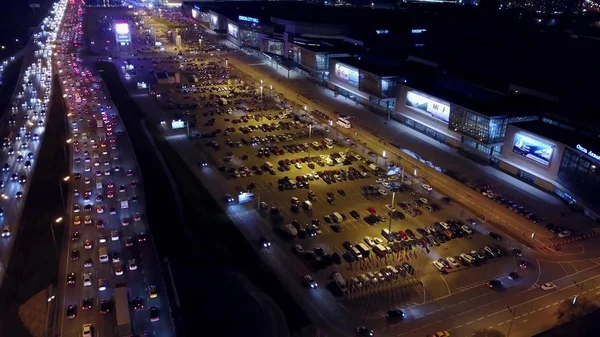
<point>458,326</point>
<point>471,322</point>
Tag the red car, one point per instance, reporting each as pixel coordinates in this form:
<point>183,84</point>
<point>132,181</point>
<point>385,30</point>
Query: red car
<point>403,235</point>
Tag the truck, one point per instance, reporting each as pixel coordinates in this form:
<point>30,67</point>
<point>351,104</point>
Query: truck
<point>290,230</point>
<point>121,300</point>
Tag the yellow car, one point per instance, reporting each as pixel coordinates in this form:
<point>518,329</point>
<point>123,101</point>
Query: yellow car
<point>441,334</point>
<point>152,291</point>
<point>77,220</point>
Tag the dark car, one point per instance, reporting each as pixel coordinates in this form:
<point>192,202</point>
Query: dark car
<point>105,307</point>
<point>137,303</point>
<point>71,311</point>
<point>495,236</point>
<point>354,214</point>
<point>348,245</point>
<point>395,314</point>
<point>87,303</point>
<point>154,315</point>
<point>494,284</point>
<point>74,255</point>
<point>364,331</point>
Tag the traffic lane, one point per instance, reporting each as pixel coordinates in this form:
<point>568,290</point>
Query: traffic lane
<point>551,270</point>
<point>533,299</point>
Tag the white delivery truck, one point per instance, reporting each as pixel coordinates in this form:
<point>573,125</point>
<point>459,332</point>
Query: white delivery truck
<point>337,217</point>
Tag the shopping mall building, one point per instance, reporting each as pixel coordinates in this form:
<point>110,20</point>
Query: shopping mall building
<point>515,130</point>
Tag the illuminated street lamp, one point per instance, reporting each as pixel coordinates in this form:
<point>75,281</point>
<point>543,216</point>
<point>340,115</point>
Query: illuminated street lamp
<point>59,219</point>
<point>65,179</point>
<point>69,141</point>
<point>261,92</point>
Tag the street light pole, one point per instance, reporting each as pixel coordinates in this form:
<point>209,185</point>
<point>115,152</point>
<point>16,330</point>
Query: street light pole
<point>511,321</point>
<point>390,223</point>
<point>309,138</point>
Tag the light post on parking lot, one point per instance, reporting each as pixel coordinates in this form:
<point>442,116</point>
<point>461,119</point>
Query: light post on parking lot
<point>200,43</point>
<point>511,321</point>
<point>261,92</point>
<point>309,138</point>
<point>62,197</point>
<point>390,223</point>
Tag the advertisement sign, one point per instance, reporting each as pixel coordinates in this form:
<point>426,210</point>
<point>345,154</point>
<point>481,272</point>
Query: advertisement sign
<point>347,74</point>
<point>533,148</point>
<point>232,30</point>
<point>247,19</point>
<point>431,107</point>
<point>214,20</point>
<point>122,28</point>
<point>588,152</point>
<point>177,124</point>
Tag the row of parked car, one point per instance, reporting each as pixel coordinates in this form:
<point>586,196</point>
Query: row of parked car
<point>471,258</point>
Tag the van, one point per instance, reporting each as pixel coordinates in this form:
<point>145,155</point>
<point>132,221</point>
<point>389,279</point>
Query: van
<point>328,141</point>
<point>380,250</point>
<point>268,165</point>
<point>337,217</point>
<point>357,254</point>
<point>103,254</point>
<point>340,282</point>
<point>307,205</point>
<point>364,249</point>
<point>387,234</point>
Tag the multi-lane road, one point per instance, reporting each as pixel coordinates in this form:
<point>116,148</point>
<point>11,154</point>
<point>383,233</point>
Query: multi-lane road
<point>22,128</point>
<point>108,243</point>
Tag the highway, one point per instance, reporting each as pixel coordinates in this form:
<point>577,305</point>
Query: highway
<point>106,210</point>
<point>23,128</point>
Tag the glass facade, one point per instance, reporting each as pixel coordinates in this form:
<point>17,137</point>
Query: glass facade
<point>482,128</point>
<point>579,173</point>
<point>425,130</point>
<point>322,62</point>
<point>249,38</point>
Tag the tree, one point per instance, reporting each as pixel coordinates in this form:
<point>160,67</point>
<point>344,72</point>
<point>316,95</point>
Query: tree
<point>567,311</point>
<point>488,333</point>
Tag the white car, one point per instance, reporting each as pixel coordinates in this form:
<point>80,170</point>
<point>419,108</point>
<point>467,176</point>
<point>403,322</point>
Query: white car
<point>390,208</point>
<point>564,234</point>
<point>298,165</point>
<point>87,330</point>
<point>468,258</point>
<point>438,265</point>
<point>87,279</point>
<point>378,241</point>
<point>427,187</point>
<point>453,262</point>
<point>382,191</point>
<point>132,265</point>
<point>425,201</point>
<point>114,235</point>
<point>467,229</point>
<point>548,286</point>
<point>369,241</point>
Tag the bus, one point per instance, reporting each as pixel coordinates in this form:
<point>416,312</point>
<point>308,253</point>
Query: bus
<point>121,298</point>
<point>344,122</point>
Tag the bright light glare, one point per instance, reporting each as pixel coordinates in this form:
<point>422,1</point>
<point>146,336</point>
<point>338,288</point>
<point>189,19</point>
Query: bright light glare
<point>122,28</point>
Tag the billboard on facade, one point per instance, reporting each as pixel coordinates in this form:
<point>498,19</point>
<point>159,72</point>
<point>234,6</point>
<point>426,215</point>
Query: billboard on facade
<point>533,148</point>
<point>232,30</point>
<point>431,107</point>
<point>214,20</point>
<point>346,74</point>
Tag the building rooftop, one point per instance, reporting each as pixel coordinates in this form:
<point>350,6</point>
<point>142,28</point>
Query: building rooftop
<point>479,99</point>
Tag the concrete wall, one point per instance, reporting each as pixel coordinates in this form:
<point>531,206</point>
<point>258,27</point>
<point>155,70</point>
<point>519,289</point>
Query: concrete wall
<point>547,173</point>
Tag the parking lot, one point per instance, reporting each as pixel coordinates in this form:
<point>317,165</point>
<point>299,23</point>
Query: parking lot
<point>321,194</point>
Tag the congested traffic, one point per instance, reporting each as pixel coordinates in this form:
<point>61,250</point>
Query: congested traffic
<point>112,268</point>
<point>23,126</point>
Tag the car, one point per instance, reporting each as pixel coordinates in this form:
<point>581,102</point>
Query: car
<point>75,255</point>
<point>71,278</point>
<point>87,244</point>
<point>452,261</point>
<point>548,286</point>
<point>467,257</point>
<point>427,187</point>
<point>87,303</point>
<point>71,311</point>
<point>467,229</point>
<point>513,275</point>
<point>494,284</point>
<point>114,235</point>
<point>394,314</point>
<point>131,264</point>
<point>6,231</point>
<point>87,263</point>
<point>354,214</point>
<point>118,268</point>
<point>369,241</point>
<point>441,334</point>
<point>564,234</point>
<point>105,307</point>
<point>154,314</point>
<point>495,236</point>
<point>364,331</point>
<point>517,252</point>
<point>77,220</point>
<point>310,282</point>
<point>523,264</point>
<point>87,279</point>
<point>298,249</point>
<point>390,208</point>
<point>86,330</point>
<point>137,303</point>
<point>152,292</point>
